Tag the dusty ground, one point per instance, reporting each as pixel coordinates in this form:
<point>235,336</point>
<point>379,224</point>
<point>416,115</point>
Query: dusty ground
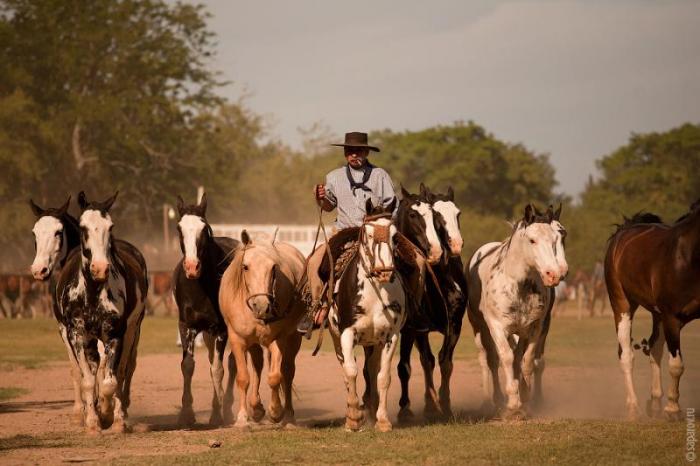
<point>585,391</point>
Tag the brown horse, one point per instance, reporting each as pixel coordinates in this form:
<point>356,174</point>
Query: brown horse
<point>261,306</point>
<point>657,266</point>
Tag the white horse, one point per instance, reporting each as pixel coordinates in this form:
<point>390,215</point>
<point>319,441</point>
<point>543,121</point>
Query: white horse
<point>511,293</point>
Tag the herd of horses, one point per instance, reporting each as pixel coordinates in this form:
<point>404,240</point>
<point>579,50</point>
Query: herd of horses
<point>404,280</point>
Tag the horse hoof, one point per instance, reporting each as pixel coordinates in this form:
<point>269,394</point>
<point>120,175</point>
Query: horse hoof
<point>187,418</point>
<point>242,425</point>
<point>514,414</point>
<point>352,424</point>
<point>633,413</point>
<point>116,428</point>
<point>258,412</point>
<point>228,418</point>
<point>673,415</point>
<point>290,424</point>
<point>406,415</point>
<point>216,420</point>
<point>93,431</point>
<point>654,408</point>
<point>383,425</point>
<point>275,416</point>
<point>77,419</point>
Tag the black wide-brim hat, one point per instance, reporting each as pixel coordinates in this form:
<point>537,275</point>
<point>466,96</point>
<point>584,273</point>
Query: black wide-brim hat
<point>357,139</point>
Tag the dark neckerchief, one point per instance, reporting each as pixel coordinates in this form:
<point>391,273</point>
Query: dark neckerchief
<point>367,171</point>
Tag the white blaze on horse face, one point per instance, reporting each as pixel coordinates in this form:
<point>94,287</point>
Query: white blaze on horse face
<point>426,212</point>
<point>96,235</point>
<point>539,241</point>
<point>48,233</point>
<point>559,253</point>
<point>191,227</point>
<point>450,212</point>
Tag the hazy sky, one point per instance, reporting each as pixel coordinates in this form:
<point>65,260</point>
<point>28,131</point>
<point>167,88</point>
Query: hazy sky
<point>568,78</point>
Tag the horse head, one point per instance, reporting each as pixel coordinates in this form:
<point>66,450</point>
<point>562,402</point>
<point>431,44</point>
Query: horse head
<point>49,238</point>
<point>446,215</point>
<point>540,238</point>
<point>415,221</point>
<point>194,232</point>
<point>377,241</point>
<point>258,268</point>
<point>96,235</point>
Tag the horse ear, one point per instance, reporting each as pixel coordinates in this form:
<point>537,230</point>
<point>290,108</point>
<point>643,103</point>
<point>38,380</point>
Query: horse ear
<point>450,194</point>
<point>180,205</point>
<point>557,213</point>
<point>368,206</point>
<point>64,208</point>
<point>529,215</point>
<point>108,203</point>
<point>38,211</point>
<point>391,206</point>
<point>424,192</point>
<point>245,238</point>
<point>82,200</point>
<point>203,205</point>
<point>404,194</point>
<point>550,213</point>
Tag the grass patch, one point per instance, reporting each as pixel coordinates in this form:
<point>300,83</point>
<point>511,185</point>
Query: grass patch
<point>7,393</point>
<point>558,442</point>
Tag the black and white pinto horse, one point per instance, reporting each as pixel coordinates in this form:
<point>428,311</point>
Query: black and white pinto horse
<point>197,279</point>
<point>101,294</point>
<point>511,294</point>
<point>56,236</point>
<point>369,310</point>
<point>444,301</point>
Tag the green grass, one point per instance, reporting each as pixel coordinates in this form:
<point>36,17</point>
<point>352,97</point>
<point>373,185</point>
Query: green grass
<point>571,342</point>
<point>7,393</point>
<point>543,442</point>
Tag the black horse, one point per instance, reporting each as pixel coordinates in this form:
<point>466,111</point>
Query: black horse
<point>197,279</point>
<point>444,301</point>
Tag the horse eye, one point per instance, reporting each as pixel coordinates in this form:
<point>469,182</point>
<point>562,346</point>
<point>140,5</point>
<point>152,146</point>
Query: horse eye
<point>245,267</point>
<point>58,233</point>
<point>532,241</point>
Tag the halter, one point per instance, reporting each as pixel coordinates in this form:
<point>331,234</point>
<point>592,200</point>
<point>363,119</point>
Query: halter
<point>381,235</point>
<point>270,295</point>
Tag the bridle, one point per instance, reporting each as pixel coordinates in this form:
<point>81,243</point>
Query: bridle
<point>270,294</point>
<point>382,235</point>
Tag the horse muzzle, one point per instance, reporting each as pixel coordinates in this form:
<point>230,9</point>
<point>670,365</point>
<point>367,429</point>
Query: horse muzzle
<point>99,271</point>
<point>262,305</point>
<point>40,272</point>
<point>193,268</point>
<point>551,278</point>
<point>456,247</point>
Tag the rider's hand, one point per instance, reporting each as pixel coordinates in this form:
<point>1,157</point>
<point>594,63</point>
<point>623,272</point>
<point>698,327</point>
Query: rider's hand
<point>320,192</point>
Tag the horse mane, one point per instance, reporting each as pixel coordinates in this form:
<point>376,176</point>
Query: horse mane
<point>640,218</point>
<point>694,207</point>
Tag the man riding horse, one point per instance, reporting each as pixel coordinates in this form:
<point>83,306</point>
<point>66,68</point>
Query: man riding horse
<point>347,189</point>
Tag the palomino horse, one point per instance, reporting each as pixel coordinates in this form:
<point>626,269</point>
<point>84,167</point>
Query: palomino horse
<point>261,305</point>
<point>511,293</point>
<point>369,310</point>
<point>197,279</point>
<point>56,236</point>
<point>655,265</point>
<point>444,301</point>
<point>101,294</point>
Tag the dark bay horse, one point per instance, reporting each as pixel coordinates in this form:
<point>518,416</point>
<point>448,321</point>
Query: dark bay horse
<point>101,296</point>
<point>656,266</point>
<point>443,305</point>
<point>197,279</point>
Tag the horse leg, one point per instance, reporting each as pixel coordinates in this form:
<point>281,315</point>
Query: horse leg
<point>506,357</point>
<point>446,366</point>
<point>404,369</point>
<point>274,380</point>
<point>187,335</point>
<point>87,383</point>
<point>228,394</point>
<point>254,401</point>
<point>242,380</point>
<point>427,360</point>
<point>109,387</point>
<point>291,349</point>
<point>624,314</point>
<point>353,415</point>
<point>383,381</point>
<point>216,347</point>
<point>672,331</point>
<point>77,414</point>
<point>539,362</point>
<point>656,349</point>
<point>370,398</point>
